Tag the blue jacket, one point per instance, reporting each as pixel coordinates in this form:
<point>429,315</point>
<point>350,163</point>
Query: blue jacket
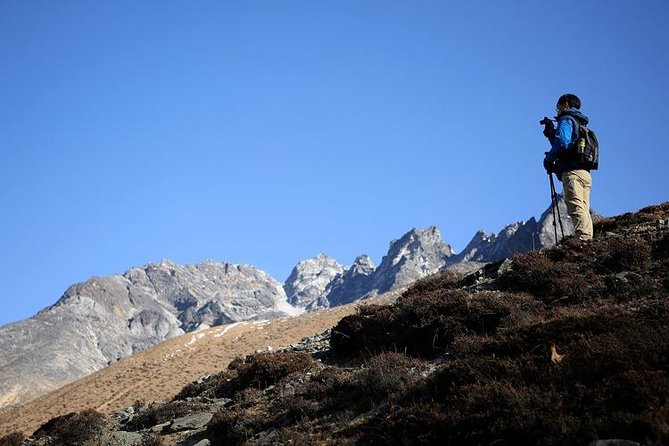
<point>561,143</point>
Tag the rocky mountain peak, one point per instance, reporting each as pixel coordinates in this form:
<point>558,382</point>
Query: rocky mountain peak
<point>112,317</point>
<point>352,284</point>
<point>362,265</point>
<point>417,241</point>
<point>310,278</point>
<point>419,253</point>
<point>511,229</point>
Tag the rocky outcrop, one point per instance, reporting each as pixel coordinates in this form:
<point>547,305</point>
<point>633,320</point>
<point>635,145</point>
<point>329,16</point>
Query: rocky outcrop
<point>419,253</point>
<point>104,319</point>
<point>355,282</point>
<point>306,285</point>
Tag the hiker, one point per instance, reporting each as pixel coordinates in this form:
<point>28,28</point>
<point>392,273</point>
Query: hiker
<point>563,162</point>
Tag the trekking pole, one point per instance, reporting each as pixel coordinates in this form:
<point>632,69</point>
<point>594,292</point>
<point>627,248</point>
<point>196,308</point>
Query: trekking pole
<point>556,207</point>
<point>550,177</point>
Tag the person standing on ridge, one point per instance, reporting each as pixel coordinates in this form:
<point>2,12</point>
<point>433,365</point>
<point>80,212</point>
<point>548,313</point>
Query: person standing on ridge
<point>563,162</point>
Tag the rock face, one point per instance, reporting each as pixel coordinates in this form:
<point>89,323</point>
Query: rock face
<point>104,319</point>
<point>306,285</point>
<point>419,253</point>
<point>356,281</point>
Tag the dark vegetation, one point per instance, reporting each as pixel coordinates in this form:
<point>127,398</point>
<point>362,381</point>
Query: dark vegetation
<point>151,440</point>
<point>72,429</point>
<point>565,346</point>
<point>12,439</point>
<point>257,371</point>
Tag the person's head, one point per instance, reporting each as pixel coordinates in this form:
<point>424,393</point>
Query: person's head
<point>568,101</point>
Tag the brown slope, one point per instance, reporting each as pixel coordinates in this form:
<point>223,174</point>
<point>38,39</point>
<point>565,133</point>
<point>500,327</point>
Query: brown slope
<point>161,371</point>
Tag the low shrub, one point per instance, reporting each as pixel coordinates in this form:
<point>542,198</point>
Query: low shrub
<point>530,273</point>
<point>426,324</point>
<point>420,423</point>
<point>619,253</point>
<point>661,248</point>
<point>370,329</point>
<point>220,428</point>
<point>298,408</point>
<point>12,439</point>
<point>336,389</point>
<point>630,286</point>
<point>390,376</point>
<point>660,255</point>
<point>151,440</point>
<point>232,427</point>
<point>72,429</point>
<point>265,369</point>
<point>445,280</point>
<point>552,281</point>
<point>305,435</point>
<point>345,393</point>
<point>647,215</point>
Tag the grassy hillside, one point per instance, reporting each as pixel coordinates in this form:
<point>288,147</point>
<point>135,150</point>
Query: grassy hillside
<point>561,346</point>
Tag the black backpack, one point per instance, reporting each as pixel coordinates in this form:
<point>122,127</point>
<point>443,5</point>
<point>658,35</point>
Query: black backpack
<point>585,146</point>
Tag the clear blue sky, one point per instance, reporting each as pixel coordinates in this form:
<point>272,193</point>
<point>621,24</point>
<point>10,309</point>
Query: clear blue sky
<point>267,132</point>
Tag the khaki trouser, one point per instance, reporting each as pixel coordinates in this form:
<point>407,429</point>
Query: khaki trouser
<point>577,185</point>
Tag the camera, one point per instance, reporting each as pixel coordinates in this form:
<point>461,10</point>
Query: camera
<point>549,127</point>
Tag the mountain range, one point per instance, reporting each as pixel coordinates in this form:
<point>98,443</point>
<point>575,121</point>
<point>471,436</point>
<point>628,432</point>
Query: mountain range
<point>98,322</point>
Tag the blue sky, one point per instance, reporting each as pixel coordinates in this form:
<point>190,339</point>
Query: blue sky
<point>265,132</point>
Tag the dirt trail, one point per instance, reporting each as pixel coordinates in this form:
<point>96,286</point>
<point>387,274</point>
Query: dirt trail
<point>162,371</point>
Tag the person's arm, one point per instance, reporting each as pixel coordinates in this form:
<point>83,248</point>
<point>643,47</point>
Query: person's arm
<point>562,139</point>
